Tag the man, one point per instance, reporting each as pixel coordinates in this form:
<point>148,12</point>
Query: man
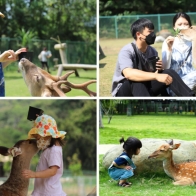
<point>134,76</point>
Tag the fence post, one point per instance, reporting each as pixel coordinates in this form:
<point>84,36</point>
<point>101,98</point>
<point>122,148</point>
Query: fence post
<point>116,26</point>
<point>159,22</point>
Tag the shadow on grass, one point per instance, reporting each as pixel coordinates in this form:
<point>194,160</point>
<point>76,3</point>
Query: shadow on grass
<point>102,65</point>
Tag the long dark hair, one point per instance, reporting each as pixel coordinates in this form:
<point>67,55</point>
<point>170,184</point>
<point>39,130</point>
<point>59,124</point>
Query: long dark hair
<point>183,15</point>
<point>56,140</point>
<point>131,145</point>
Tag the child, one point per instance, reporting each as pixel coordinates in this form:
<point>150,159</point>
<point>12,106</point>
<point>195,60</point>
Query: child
<point>50,166</point>
<point>122,167</point>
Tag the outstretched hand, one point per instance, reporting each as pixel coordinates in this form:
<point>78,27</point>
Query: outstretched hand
<point>28,173</point>
<point>10,55</point>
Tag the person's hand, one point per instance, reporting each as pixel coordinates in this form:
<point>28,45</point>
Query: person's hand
<point>19,51</point>
<point>8,55</point>
<point>28,173</point>
<point>159,65</point>
<point>164,78</point>
<point>128,167</point>
<point>170,40</point>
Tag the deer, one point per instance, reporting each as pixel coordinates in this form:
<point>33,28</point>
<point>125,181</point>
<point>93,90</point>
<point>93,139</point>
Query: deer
<point>42,84</point>
<point>22,152</point>
<point>182,173</point>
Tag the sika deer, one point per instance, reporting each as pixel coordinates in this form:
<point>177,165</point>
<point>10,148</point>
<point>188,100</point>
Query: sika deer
<point>182,173</point>
<point>41,84</point>
<point>16,184</point>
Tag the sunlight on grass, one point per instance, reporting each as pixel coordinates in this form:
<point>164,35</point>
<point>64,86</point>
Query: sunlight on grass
<point>148,126</point>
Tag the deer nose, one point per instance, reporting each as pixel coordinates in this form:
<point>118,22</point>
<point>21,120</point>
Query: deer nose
<point>22,60</point>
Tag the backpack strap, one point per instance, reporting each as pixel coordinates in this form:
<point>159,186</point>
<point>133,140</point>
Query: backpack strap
<point>129,161</point>
<point>140,64</point>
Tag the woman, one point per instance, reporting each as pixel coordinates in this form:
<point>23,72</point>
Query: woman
<point>177,52</point>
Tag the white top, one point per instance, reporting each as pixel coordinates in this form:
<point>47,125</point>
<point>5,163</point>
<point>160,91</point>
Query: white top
<point>44,55</point>
<point>49,186</point>
<point>175,60</point>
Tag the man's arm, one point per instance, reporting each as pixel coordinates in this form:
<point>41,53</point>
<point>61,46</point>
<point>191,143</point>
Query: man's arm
<point>139,76</point>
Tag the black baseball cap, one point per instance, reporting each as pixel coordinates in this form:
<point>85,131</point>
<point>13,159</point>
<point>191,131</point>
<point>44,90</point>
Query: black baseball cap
<point>33,112</point>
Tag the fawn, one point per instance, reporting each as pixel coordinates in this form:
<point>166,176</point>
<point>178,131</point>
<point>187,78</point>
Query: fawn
<point>182,173</point>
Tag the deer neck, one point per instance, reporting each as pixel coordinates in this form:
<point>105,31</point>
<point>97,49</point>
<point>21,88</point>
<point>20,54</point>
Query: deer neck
<point>16,181</point>
<point>169,166</point>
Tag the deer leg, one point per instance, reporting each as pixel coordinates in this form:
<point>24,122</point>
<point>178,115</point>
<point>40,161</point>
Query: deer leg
<point>184,181</point>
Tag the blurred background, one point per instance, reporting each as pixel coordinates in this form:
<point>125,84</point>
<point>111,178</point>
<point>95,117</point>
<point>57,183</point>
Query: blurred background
<point>76,117</point>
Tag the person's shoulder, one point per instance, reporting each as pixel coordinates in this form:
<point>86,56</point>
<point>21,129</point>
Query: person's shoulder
<point>55,149</point>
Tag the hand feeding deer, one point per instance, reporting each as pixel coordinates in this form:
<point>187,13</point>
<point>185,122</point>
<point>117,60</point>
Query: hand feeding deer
<point>41,84</point>
<point>182,173</point>
<point>16,184</point>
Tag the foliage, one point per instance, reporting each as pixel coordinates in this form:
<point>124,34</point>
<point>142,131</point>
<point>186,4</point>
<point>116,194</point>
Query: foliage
<point>75,165</point>
<point>112,7</point>
<point>76,117</point>
<point>25,37</point>
<point>71,20</point>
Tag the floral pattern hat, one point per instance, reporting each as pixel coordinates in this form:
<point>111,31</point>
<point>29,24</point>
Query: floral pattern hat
<point>45,125</point>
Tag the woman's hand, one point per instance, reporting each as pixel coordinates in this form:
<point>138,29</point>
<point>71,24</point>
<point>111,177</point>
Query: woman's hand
<point>170,40</point>
<point>28,173</point>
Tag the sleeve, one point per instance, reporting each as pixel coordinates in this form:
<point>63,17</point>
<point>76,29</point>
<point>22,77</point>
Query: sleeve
<point>120,161</point>
<point>55,158</point>
<point>166,56</point>
<point>124,59</point>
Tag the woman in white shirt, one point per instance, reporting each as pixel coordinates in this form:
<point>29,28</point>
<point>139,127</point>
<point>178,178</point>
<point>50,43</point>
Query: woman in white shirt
<point>177,52</point>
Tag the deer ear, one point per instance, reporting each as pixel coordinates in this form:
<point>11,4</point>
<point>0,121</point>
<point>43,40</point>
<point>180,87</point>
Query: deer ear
<point>176,146</point>
<point>170,142</point>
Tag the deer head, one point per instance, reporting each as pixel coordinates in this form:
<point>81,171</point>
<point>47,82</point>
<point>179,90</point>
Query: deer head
<point>164,151</point>
<point>40,83</point>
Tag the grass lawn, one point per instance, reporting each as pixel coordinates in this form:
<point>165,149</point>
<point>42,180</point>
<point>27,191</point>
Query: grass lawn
<point>16,87</point>
<point>146,126</point>
<point>107,65</point>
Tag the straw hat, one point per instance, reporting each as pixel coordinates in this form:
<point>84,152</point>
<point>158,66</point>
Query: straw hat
<point>46,126</point>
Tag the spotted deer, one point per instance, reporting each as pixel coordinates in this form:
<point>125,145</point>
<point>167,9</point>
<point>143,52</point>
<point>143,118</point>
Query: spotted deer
<point>22,152</point>
<point>182,173</point>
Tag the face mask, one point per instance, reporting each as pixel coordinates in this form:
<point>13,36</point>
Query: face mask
<point>42,144</point>
<point>150,39</point>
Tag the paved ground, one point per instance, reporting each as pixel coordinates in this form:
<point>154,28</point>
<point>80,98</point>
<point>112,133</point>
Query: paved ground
<point>103,148</point>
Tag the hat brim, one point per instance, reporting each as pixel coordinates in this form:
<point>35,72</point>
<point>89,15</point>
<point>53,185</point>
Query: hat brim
<point>34,131</point>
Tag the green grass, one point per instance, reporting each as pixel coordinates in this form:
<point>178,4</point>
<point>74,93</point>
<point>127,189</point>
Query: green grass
<point>107,65</point>
<point>146,126</point>
<point>16,87</point>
